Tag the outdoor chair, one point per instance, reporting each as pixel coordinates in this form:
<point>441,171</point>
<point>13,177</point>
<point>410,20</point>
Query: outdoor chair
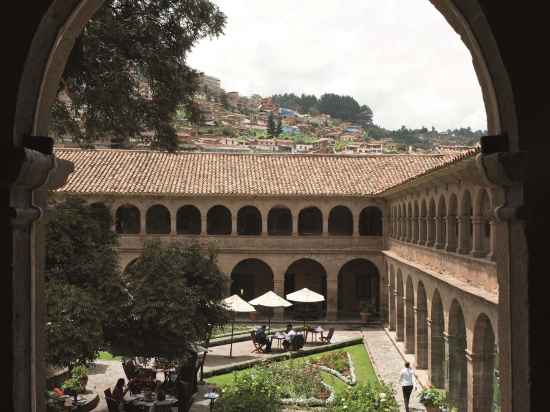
<point>297,342</point>
<point>112,404</point>
<point>326,339</point>
<point>258,348</point>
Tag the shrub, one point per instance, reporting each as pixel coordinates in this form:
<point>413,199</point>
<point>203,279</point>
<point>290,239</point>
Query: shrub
<point>72,385</point>
<point>433,397</point>
<point>335,360</point>
<point>365,398</point>
<point>79,371</point>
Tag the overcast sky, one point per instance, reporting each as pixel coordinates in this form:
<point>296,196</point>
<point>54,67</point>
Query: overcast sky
<point>398,56</point>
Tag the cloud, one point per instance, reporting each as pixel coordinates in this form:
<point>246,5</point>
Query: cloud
<point>398,56</point>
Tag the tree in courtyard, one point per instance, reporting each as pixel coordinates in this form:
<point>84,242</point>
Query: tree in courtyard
<point>279,127</point>
<point>271,126</point>
<point>127,73</point>
<point>83,285</point>
<point>175,294</point>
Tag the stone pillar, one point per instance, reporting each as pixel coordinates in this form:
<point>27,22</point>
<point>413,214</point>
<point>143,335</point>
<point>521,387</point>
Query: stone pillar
<point>464,235</point>
<point>422,232</point>
<point>446,373</point>
<point>480,378</point>
<point>416,229</point>
<point>325,224</point>
<point>450,241</point>
<point>355,232</point>
<point>399,317</point>
<point>391,304</point>
<point>477,236</point>
<point>409,325</point>
<point>204,224</point>
<point>173,222</point>
<point>279,289</point>
<point>493,240</point>
<point>234,224</point>
<point>142,221</point>
<point>295,223</point>
<point>430,231</point>
<point>264,232</point>
<point>439,240</point>
<point>436,353</point>
<point>421,338</point>
<point>332,296</point>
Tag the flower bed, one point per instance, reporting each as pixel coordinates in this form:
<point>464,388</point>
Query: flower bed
<point>339,364</point>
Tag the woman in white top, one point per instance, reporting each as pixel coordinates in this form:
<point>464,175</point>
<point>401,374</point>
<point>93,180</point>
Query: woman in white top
<point>408,382</point>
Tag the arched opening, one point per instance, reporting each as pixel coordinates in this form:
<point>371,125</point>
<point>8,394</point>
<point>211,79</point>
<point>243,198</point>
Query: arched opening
<point>466,224</point>
<point>279,222</point>
<point>340,221</point>
<point>310,221</point>
<point>218,221</point>
<point>423,238</point>
<point>306,273</point>
<point>370,221</point>
<point>409,316</point>
<point>128,220</point>
<point>441,233</point>
<point>452,224</point>
<point>421,327</point>
<point>486,378</point>
<point>157,220</point>
<point>437,340</point>
<point>457,368</point>
<point>251,278</point>
<point>358,283</point>
<point>431,223</point>
<point>391,298</point>
<point>188,220</point>
<point>249,221</point>
<point>400,307</point>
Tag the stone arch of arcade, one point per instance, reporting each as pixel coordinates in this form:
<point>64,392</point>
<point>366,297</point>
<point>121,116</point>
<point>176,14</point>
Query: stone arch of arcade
<point>306,273</point>
<point>251,278</point>
<point>358,283</point>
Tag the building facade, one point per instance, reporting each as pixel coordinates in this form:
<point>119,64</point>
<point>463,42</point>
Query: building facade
<point>414,235</point>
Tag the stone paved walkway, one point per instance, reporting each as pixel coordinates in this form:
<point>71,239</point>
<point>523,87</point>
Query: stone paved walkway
<point>388,363</point>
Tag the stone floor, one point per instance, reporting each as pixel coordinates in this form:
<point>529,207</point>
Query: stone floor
<point>384,354</point>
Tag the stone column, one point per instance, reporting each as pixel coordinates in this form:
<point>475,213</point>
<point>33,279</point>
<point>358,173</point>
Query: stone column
<point>409,325</point>
<point>391,304</point>
<point>415,229</point>
<point>279,289</point>
<point>355,232</point>
<point>204,224</point>
<point>477,236</point>
<point>173,222</point>
<point>450,243</point>
<point>420,338</point>
<point>234,224</point>
<point>464,237</point>
<point>295,223</point>
<point>142,221</point>
<point>325,224</point>
<point>439,240</point>
<point>479,381</point>
<point>399,317</point>
<point>264,232</point>
<point>493,240</point>
<point>437,352</point>
<point>422,232</point>
<point>332,296</point>
<point>430,231</point>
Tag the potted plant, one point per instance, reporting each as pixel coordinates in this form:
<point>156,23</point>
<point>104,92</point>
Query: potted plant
<point>80,372</point>
<point>433,399</point>
<point>365,310</point>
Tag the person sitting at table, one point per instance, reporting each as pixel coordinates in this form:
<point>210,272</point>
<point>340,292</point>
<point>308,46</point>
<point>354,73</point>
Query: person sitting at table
<point>119,391</point>
<point>262,339</point>
<point>289,336</point>
<point>161,395</point>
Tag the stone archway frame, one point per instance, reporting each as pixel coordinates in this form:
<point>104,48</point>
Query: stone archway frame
<point>65,19</point>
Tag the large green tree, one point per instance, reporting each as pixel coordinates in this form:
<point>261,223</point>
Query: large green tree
<point>127,73</point>
<point>175,293</point>
<point>84,290</point>
<point>271,125</point>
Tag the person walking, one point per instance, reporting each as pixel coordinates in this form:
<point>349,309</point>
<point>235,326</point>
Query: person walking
<point>407,382</point>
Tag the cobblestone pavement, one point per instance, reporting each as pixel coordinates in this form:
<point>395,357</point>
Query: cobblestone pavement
<point>388,363</point>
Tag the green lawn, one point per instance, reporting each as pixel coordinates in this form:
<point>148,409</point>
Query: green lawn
<point>363,369</point>
<point>107,356</point>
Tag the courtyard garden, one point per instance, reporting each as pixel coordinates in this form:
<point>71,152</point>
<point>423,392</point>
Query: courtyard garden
<point>337,380</point>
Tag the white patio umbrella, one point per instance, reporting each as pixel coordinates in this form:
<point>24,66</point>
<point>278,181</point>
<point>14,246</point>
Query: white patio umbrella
<point>236,304</point>
<point>305,295</point>
<point>271,300</point>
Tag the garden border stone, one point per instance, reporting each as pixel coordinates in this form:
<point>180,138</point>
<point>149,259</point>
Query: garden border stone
<point>280,357</point>
<point>351,380</point>
<point>312,401</point>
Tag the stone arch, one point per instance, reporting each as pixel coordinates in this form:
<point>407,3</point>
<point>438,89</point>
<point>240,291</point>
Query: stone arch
<point>370,221</point>
<point>437,341</point>
<point>441,232</point>
<point>485,373</point>
<point>358,282</point>
<point>279,221</point>
<point>421,327</point>
<point>310,221</point>
<point>306,273</point>
<point>391,298</point>
<point>399,307</point>
<point>128,220</point>
<point>340,221</point>
<point>409,316</point>
<point>251,278</point>
<point>249,221</point>
<point>457,367</point>
<point>218,221</point>
<point>465,223</point>
<point>157,220</point>
<point>452,223</point>
<point>188,220</point>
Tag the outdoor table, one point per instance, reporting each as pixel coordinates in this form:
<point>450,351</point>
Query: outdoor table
<point>212,396</point>
<point>279,337</point>
<point>139,400</point>
<point>315,331</point>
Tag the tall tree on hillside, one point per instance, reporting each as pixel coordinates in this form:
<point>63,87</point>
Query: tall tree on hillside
<point>271,126</point>
<point>340,107</point>
<point>279,127</point>
<point>128,73</point>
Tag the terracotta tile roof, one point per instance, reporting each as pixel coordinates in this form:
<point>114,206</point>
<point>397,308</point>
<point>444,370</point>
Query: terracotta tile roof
<point>104,171</point>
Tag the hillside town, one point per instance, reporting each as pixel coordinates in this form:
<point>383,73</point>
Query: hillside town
<point>232,123</point>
